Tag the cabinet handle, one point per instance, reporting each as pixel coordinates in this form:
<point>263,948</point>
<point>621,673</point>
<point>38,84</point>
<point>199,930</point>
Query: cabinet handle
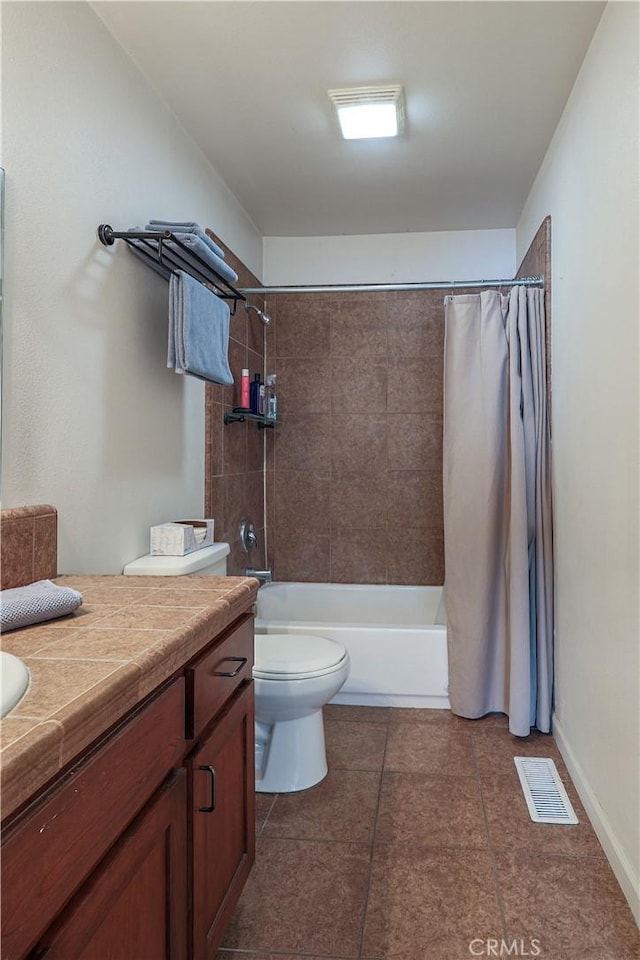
<point>207,767</point>
<point>241,661</point>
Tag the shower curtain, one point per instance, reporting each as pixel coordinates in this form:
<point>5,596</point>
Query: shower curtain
<point>497,508</point>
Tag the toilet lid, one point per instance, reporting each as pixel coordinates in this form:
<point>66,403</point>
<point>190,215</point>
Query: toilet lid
<point>287,654</point>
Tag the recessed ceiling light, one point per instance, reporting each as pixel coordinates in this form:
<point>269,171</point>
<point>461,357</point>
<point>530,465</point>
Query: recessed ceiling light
<point>366,112</point>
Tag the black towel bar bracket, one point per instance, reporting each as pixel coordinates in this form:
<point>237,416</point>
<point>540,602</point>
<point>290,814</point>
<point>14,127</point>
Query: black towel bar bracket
<point>165,260</point>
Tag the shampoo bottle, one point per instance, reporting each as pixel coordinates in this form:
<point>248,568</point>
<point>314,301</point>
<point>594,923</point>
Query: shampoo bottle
<point>270,397</point>
<point>254,394</point>
<point>244,391</point>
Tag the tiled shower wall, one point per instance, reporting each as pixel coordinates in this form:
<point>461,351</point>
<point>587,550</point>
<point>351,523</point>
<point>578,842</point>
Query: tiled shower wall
<point>355,467</point>
<point>234,453</point>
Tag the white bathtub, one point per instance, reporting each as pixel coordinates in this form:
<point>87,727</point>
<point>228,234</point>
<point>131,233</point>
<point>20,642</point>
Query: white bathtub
<point>398,649</point>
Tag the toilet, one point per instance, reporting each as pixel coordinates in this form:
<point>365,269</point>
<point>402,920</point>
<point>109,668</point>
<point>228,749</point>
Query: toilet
<point>295,675</point>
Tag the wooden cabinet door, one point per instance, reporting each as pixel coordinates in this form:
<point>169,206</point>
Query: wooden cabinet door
<point>134,906</point>
<point>221,826</point>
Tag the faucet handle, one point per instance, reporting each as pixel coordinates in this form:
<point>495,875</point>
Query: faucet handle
<point>248,537</point>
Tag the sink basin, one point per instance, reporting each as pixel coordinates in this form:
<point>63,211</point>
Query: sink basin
<point>15,681</point>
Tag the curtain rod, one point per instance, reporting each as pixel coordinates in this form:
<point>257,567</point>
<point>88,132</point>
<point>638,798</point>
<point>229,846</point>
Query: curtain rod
<point>367,287</point>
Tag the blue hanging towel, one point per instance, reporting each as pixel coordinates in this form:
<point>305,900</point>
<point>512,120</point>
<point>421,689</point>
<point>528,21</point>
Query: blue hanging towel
<point>198,341</point>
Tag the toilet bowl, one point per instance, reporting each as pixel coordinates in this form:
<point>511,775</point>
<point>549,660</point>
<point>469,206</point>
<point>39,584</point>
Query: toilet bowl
<point>295,675</point>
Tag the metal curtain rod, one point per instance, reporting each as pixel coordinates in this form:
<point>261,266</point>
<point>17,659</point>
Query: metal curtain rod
<point>366,287</point>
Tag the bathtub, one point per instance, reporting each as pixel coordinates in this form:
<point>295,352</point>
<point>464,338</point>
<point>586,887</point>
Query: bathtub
<point>395,636</point>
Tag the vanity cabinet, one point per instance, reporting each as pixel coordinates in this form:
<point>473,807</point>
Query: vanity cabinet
<point>221,823</point>
<point>140,850</point>
<point>221,771</point>
<point>135,903</point>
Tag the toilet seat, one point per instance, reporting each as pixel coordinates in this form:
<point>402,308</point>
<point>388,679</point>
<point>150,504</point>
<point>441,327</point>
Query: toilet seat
<point>295,656</point>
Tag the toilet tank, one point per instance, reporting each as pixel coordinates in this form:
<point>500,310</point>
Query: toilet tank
<point>208,562</point>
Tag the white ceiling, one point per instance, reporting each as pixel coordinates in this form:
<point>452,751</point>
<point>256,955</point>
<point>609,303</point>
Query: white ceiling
<point>485,86</point>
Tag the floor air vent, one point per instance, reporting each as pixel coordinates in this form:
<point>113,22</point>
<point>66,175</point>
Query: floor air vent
<point>544,791</point>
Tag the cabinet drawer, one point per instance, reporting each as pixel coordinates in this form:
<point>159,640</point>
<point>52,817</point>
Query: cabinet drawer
<point>214,677</point>
<point>55,846</point>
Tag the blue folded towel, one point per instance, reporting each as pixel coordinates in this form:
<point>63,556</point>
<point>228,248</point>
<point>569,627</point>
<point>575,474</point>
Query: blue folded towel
<point>198,331</point>
<point>36,602</point>
<point>194,244</point>
<point>185,226</point>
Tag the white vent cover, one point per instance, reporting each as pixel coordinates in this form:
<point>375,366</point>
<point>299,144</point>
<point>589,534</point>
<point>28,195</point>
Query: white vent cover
<point>544,791</point>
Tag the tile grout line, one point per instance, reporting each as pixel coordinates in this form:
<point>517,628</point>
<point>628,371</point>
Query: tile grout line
<point>490,850</point>
<point>264,822</point>
<point>373,840</point>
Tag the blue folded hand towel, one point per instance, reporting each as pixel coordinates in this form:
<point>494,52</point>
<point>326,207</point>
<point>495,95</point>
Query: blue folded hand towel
<point>36,602</point>
<point>198,331</point>
<point>185,226</point>
<point>171,251</point>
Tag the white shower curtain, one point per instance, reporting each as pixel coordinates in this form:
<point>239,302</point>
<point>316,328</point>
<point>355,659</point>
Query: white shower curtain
<point>497,508</point>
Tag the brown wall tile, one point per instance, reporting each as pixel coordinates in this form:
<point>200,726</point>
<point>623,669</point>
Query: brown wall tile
<point>358,499</point>
<point>415,323</point>
<point>303,330</point>
<point>359,556</point>
<point>234,451</point>
<point>359,329</point>
<point>418,559</point>
<point>415,385</point>
<point>303,385</point>
<point>304,443</point>
<point>414,442</point>
<point>295,557</point>
<point>414,499</point>
<point>358,388</point>
<point>301,501</point>
<point>359,443</point>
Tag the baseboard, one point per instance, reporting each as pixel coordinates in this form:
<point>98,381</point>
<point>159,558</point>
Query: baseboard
<point>359,699</point>
<point>622,868</point>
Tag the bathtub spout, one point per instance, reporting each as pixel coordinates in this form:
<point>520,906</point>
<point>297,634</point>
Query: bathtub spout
<point>263,575</point>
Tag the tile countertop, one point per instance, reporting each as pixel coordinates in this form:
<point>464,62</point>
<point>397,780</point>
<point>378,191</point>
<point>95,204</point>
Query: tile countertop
<point>90,668</point>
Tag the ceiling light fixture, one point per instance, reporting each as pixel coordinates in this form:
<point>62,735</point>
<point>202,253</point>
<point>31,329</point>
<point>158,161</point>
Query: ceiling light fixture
<point>366,112</point>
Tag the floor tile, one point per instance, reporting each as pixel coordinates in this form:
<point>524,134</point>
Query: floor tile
<point>426,715</point>
<point>303,896</point>
<point>575,908</point>
<point>223,954</point>
<point>344,711</point>
<point>342,807</point>
<point>511,827</point>
<point>495,749</point>
<point>428,902</point>
<point>429,748</point>
<point>436,810</point>
<point>355,746</point>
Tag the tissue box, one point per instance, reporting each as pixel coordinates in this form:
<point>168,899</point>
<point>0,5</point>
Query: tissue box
<point>179,537</point>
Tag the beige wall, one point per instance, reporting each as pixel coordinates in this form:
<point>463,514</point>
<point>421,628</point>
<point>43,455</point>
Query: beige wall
<point>390,257</point>
<point>93,422</point>
<point>588,182</point>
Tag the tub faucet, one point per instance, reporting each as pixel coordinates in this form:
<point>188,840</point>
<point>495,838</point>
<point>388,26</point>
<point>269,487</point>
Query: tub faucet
<point>263,575</point>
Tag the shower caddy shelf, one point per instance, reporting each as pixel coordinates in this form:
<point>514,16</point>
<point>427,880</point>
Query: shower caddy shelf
<point>150,247</point>
<point>237,415</point>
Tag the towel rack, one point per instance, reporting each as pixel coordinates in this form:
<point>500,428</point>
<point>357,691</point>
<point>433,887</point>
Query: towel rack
<point>150,247</point>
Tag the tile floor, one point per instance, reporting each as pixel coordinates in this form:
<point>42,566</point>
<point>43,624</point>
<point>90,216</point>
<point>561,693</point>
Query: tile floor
<point>419,846</point>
